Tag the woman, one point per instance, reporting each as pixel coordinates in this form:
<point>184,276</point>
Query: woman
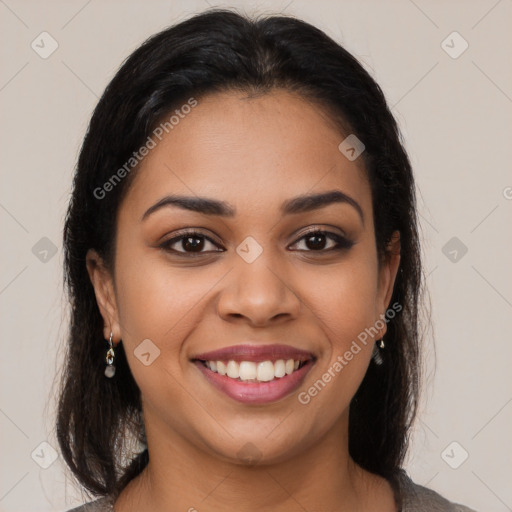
<point>242,233</point>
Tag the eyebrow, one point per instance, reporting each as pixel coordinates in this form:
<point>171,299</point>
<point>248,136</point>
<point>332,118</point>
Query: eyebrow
<point>299,204</point>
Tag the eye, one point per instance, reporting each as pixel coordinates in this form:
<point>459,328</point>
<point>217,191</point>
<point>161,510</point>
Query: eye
<point>196,243</point>
<point>190,242</point>
<point>317,240</point>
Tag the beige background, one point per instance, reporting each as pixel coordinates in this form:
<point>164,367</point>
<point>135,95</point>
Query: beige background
<point>456,117</point>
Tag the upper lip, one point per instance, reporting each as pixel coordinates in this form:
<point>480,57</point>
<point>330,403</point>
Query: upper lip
<point>255,353</point>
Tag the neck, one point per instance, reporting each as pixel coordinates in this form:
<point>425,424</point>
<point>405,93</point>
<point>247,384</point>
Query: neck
<point>182,477</point>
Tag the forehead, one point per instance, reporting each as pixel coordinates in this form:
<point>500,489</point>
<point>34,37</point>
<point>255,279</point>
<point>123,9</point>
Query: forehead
<point>249,151</point>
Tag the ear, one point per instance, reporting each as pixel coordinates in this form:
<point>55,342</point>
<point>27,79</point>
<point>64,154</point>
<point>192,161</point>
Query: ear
<point>103,284</point>
<point>387,275</point>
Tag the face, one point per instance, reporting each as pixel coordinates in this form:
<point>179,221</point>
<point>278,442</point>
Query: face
<point>255,277</point>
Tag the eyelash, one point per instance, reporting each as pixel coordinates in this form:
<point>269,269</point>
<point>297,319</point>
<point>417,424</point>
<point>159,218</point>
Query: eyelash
<point>342,243</point>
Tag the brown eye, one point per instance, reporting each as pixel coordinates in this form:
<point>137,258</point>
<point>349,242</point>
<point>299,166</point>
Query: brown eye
<point>316,241</point>
<point>190,243</point>
<point>324,241</point>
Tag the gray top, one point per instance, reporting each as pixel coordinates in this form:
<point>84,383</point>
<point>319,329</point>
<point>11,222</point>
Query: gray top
<point>416,498</point>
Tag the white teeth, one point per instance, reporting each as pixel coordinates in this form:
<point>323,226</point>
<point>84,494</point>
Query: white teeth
<point>221,368</point>
<point>247,370</point>
<point>279,368</point>
<point>233,370</point>
<point>264,371</point>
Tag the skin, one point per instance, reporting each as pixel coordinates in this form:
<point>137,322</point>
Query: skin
<point>254,153</point>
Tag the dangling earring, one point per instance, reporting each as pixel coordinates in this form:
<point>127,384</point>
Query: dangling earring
<point>376,355</point>
<point>110,369</point>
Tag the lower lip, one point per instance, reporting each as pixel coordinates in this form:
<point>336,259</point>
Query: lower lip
<point>256,392</point>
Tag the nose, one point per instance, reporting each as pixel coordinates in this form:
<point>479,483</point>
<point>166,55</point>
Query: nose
<point>259,294</point>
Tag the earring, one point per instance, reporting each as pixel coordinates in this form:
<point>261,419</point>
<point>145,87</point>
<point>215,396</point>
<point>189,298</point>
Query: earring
<point>376,355</point>
<point>110,369</point>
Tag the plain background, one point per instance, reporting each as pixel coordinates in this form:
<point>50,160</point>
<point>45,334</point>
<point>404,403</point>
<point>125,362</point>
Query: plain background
<point>456,118</point>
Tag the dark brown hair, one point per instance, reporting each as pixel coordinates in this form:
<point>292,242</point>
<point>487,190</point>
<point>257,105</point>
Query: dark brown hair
<point>213,52</point>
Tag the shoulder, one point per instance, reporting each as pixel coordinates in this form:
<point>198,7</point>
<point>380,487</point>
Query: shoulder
<point>417,498</point>
<point>101,505</point>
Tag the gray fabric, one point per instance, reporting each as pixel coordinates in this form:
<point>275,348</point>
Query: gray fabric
<point>101,505</point>
<point>416,498</point>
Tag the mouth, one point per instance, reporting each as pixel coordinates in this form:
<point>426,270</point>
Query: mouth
<point>256,374</point>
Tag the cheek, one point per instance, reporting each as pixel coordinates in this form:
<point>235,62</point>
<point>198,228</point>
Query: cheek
<point>355,312</point>
<point>153,303</point>
<point>344,299</point>
<point>344,306</point>
<point>162,308</point>
<point>159,303</point>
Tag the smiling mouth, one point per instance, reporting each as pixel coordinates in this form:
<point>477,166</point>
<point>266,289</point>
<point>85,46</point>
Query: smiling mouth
<point>255,374</point>
<point>255,383</point>
<point>252,372</point>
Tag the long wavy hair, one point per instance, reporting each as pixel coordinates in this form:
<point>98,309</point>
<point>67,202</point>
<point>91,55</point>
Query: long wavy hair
<point>99,419</point>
